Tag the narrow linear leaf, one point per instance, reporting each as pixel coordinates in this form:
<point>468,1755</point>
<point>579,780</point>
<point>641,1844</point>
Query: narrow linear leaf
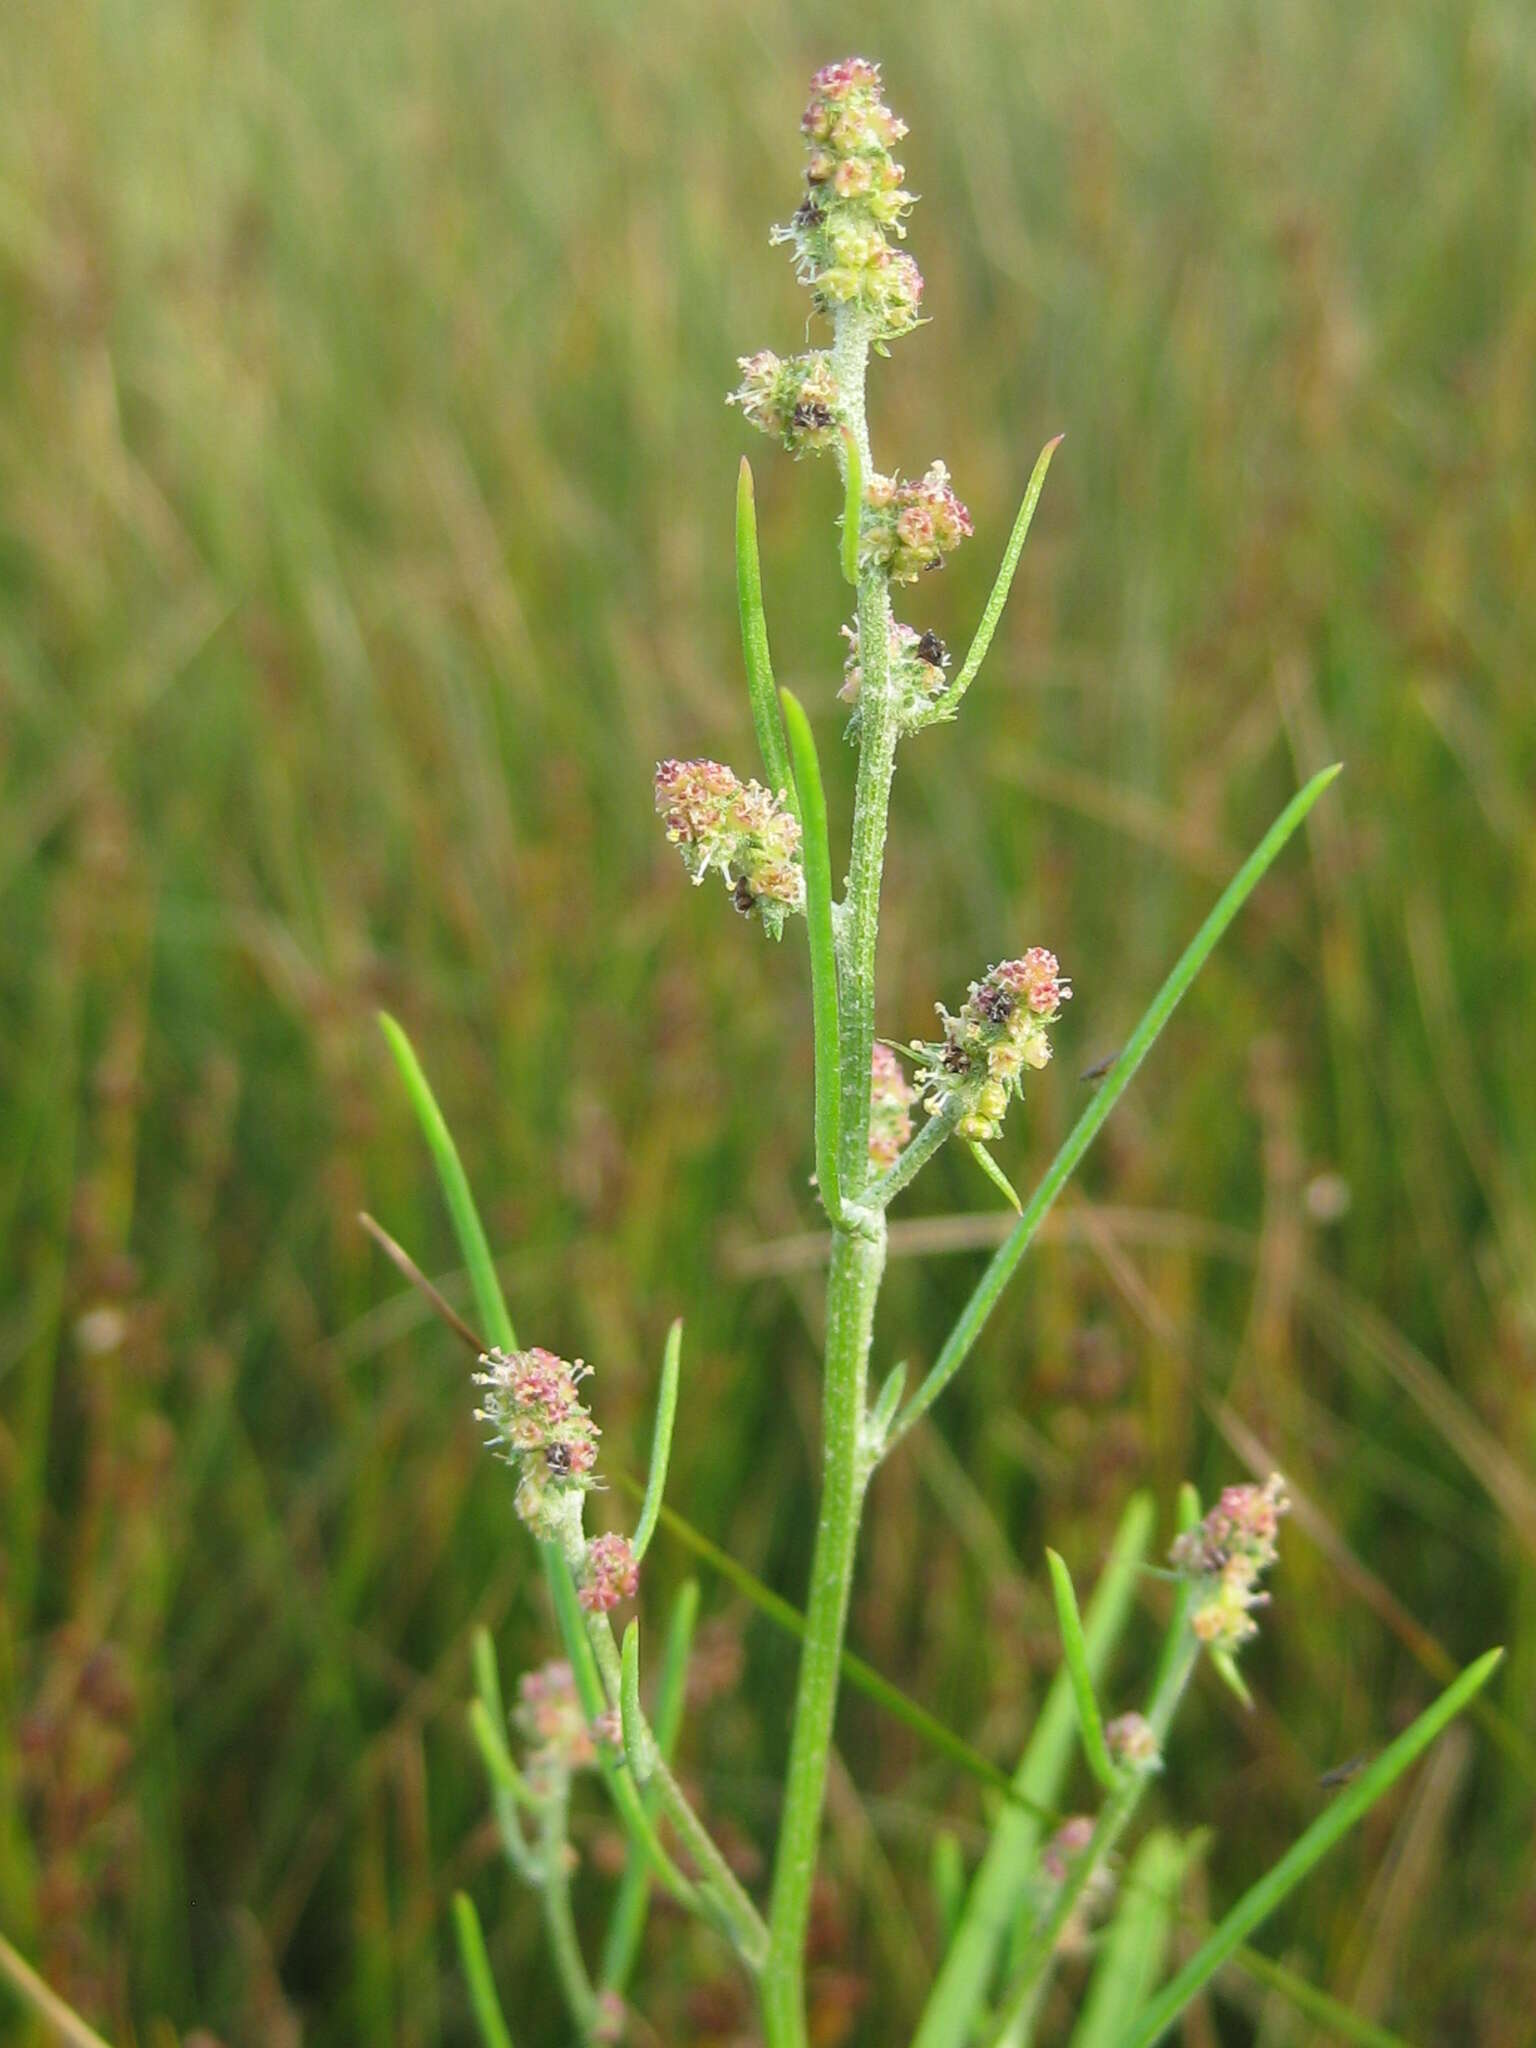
<point>754,639</point>
<point>661,1441</point>
<point>476,1965</point>
<point>467,1228</point>
<point>946,1875</point>
<point>1000,1270</point>
<point>996,1175</point>
<point>39,1997</point>
<point>853,507</point>
<point>1075,1651</point>
<point>997,1905</point>
<point>626,1925</point>
<point>1131,1954</point>
<point>496,1757</point>
<point>1004,583</point>
<point>1343,2024</point>
<point>816,856</point>
<point>637,1742</point>
<point>617,1776</point>
<point>487,1677</point>
<point>1326,1831</point>
<point>887,1401</point>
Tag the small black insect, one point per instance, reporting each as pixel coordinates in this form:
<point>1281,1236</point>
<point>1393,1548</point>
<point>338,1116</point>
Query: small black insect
<point>742,896</point>
<point>956,1060</point>
<point>995,1004</point>
<point>1099,1068</point>
<point>814,414</point>
<point>1342,1773</point>
<point>932,650</point>
<point>558,1458</point>
<point>808,214</point>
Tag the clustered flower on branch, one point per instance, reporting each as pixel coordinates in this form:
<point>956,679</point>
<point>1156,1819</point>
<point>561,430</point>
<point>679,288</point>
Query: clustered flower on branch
<point>540,1427</point>
<point>917,665</point>
<point>743,830</point>
<point>855,199</point>
<point>1000,1033</point>
<point>794,398</point>
<point>1225,1557</point>
<point>891,1096</point>
<point>910,527</point>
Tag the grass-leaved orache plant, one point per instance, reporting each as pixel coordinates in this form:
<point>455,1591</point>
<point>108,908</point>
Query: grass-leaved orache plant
<point>1043,1880</point>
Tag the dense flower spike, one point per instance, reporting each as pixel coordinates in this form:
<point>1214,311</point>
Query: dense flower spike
<point>910,527</point>
<point>718,821</point>
<point>539,1425</point>
<point>918,661</point>
<point>1226,1556</point>
<point>1000,1032</point>
<point>891,1096</point>
<point>611,1574</point>
<point>855,198</point>
<point>791,397</point>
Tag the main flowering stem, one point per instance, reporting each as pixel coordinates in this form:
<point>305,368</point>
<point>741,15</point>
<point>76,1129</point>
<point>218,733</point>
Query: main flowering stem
<point>853,1285</point>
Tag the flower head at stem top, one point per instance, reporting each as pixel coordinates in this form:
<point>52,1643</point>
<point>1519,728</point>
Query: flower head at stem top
<point>1000,1033</point>
<point>739,828</point>
<point>539,1426</point>
<point>1224,1558</point>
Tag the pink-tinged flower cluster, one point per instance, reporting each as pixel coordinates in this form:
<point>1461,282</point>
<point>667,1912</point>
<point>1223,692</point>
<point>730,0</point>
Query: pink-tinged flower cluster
<point>1226,1556</point>
<point>917,665</point>
<point>1058,1860</point>
<point>610,1574</point>
<point>540,1427</point>
<point>1132,1743</point>
<point>548,1716</point>
<point>1000,1033</point>
<point>910,527</point>
<point>855,198</point>
<point>891,1097</point>
<point>794,398</point>
<point>739,828</point>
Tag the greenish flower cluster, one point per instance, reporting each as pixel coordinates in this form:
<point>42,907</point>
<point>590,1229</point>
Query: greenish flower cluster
<point>794,398</point>
<point>738,828</point>
<point>1000,1032</point>
<point>1226,1556</point>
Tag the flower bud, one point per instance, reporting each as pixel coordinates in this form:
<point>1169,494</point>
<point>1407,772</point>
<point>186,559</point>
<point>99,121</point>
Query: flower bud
<point>1132,1744</point>
<point>610,1574</point>
<point>743,830</point>
<point>999,1033</point>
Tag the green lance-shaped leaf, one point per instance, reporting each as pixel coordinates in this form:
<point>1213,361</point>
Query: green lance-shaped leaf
<point>490,1302</point>
<point>1000,1270</point>
<point>1075,1651</point>
<point>996,1175</point>
<point>1326,1831</point>
<point>966,675</point>
<point>853,506</point>
<point>1000,1888</point>
<point>661,1441</point>
<point>946,1875</point>
<point>494,2032</point>
<point>754,639</point>
<point>631,1903</point>
<point>816,856</point>
<point>1132,1951</point>
<point>638,1745</point>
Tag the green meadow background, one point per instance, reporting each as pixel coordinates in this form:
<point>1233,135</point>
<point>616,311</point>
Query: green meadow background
<point>365,536</point>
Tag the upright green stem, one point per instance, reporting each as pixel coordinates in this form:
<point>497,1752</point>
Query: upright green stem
<point>559,1921</point>
<point>853,1282</point>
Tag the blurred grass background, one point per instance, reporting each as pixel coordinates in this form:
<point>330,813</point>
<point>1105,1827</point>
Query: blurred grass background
<point>365,497</point>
